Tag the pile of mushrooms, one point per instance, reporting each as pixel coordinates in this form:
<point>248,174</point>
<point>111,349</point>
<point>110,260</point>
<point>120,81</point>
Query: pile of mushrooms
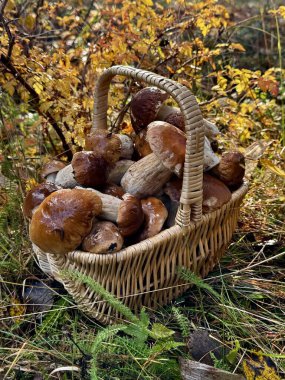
<point>124,189</point>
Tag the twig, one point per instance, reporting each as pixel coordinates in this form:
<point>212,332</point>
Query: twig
<point>36,102</point>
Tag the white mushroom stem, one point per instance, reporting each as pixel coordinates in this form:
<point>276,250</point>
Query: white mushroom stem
<point>211,130</point>
<point>127,146</point>
<point>210,158</point>
<point>110,205</point>
<point>145,177</point>
<point>51,177</point>
<point>65,178</point>
<point>119,170</point>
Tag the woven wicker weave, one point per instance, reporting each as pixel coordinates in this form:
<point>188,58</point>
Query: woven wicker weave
<point>146,273</point>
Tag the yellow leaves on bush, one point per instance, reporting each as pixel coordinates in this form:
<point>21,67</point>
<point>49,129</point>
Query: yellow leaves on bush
<point>260,367</point>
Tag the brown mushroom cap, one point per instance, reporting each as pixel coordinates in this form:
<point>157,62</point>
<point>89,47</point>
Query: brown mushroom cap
<point>141,145</point>
<point>168,143</point>
<point>231,169</point>
<point>155,214</point>
<point>89,169</point>
<point>52,166</point>
<point>114,190</point>
<point>145,106</point>
<point>130,215</point>
<point>35,197</point>
<point>103,238</point>
<point>176,119</point>
<point>173,189</point>
<point>104,144</point>
<point>215,194</point>
<point>63,219</point>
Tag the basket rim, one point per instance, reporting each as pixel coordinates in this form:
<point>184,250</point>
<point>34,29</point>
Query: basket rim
<point>135,249</point>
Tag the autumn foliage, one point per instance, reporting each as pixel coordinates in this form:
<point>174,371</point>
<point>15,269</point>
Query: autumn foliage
<point>52,53</point>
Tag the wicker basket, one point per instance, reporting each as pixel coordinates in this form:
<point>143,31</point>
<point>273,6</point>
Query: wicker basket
<point>146,273</point>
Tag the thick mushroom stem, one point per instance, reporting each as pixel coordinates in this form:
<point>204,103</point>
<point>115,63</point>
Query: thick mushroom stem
<point>210,158</point>
<point>145,177</point>
<point>65,178</point>
<point>118,171</point>
<point>127,146</point>
<point>110,205</point>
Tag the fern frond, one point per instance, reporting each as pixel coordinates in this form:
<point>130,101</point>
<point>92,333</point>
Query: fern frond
<point>185,274</point>
<point>183,322</point>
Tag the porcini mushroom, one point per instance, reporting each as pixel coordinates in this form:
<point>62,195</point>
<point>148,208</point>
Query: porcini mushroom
<point>231,169</point>
<point>65,178</point>
<point>110,146</point>
<point>215,194</point>
<point>89,169</point>
<point>174,116</point>
<point>50,170</point>
<point>126,213</point>
<point>63,219</point>
<point>155,214</point>
<point>103,238</point>
<point>145,105</point>
<point>114,190</point>
<point>148,175</point>
<point>35,197</point>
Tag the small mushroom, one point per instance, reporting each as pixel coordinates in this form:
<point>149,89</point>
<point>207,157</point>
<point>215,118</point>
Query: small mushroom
<point>215,194</point>
<point>35,197</point>
<point>155,214</point>
<point>231,169</point>
<point>148,175</point>
<point>50,170</point>
<point>104,144</point>
<point>126,213</point>
<point>89,169</point>
<point>103,238</point>
<point>63,219</point>
<point>145,105</point>
<point>110,146</point>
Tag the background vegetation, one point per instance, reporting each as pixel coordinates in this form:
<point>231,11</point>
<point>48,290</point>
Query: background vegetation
<point>231,56</point>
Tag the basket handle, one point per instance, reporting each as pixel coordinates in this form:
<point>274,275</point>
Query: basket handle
<point>190,208</point>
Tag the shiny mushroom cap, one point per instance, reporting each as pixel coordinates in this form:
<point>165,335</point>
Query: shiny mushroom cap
<point>35,197</point>
<point>130,215</point>
<point>215,194</point>
<point>63,219</point>
<point>168,143</point>
<point>155,214</point>
<point>89,169</point>
<point>231,169</point>
<point>103,238</point>
<point>145,106</point>
<point>104,144</point>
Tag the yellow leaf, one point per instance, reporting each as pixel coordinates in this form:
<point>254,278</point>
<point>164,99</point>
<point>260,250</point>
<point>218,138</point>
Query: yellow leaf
<point>149,3</point>
<point>45,106</point>
<point>260,367</point>
<point>38,87</point>
<point>275,169</point>
<point>237,46</point>
<point>16,310</point>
